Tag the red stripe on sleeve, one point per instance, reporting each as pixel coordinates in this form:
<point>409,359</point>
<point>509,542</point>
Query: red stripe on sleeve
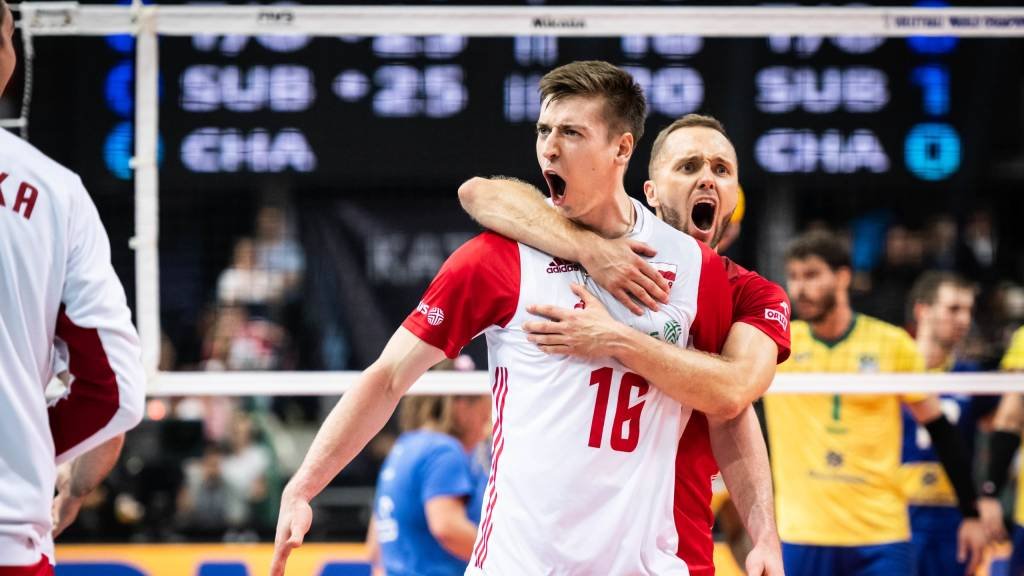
<point>94,398</point>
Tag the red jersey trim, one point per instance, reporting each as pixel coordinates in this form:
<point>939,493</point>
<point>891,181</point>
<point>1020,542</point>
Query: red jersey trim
<point>93,399</point>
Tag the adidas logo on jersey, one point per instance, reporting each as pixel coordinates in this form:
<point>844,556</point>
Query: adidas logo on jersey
<point>557,266</point>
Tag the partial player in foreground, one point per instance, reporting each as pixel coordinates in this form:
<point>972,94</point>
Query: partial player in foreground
<point>61,298</point>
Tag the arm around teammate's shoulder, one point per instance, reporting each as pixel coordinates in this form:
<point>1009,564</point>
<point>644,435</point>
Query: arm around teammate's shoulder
<point>353,422</point>
<point>107,391</point>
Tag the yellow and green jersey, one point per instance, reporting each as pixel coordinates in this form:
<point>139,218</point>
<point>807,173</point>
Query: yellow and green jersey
<point>835,458</point>
<point>1013,361</point>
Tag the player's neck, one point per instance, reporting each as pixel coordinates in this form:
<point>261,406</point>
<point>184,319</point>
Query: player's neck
<point>834,325</point>
<point>612,219</point>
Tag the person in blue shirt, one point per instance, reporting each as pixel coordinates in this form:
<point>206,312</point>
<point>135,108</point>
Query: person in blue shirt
<point>430,489</point>
<point>941,305</point>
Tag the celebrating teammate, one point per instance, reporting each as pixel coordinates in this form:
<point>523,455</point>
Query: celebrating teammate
<point>60,295</point>
<point>693,186</point>
<point>576,444</point>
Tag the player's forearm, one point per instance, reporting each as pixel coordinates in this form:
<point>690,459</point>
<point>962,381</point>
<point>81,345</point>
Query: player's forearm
<point>352,423</point>
<point>88,470</point>
<point>711,384</point>
<point>740,451</point>
<point>518,211</point>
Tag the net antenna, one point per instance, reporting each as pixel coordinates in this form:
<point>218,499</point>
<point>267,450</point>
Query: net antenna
<point>147,22</point>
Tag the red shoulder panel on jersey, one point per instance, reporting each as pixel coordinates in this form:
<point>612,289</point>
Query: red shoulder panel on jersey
<point>761,303</point>
<point>94,398</point>
<point>714,303</point>
<point>477,287</point>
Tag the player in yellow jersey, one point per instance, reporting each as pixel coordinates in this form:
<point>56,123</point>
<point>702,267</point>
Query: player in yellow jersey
<point>835,458</point>
<point>1003,445</point>
<point>941,305</point>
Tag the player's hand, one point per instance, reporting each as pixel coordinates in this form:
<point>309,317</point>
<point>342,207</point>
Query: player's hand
<point>971,542</point>
<point>293,523</point>
<point>764,560</point>
<point>991,512</point>
<point>65,505</point>
<point>585,332</point>
<point>616,265</point>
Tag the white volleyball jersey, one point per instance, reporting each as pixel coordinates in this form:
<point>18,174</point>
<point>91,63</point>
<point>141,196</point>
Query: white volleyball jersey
<point>583,463</point>
<point>58,291</point>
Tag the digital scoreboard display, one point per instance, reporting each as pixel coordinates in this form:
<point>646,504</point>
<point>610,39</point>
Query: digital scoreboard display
<point>340,112</point>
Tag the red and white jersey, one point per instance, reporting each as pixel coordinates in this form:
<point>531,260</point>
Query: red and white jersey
<point>583,452</point>
<point>763,304</point>
<point>58,291</point>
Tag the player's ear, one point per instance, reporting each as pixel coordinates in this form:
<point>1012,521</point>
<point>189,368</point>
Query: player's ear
<point>625,148</point>
<point>844,276</point>
<point>650,193</point>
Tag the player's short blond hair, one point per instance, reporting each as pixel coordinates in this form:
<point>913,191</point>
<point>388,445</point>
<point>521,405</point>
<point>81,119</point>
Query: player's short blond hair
<point>625,105</point>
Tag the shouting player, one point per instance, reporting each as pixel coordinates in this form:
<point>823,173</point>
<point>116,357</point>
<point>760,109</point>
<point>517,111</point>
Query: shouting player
<point>581,473</point>
<point>694,186</point>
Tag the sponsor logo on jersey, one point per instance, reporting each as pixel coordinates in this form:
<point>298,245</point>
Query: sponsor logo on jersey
<point>834,459</point>
<point>672,331</point>
<point>667,271</point>
<point>558,266</point>
<point>802,357</point>
<point>435,316</point>
<point>776,316</point>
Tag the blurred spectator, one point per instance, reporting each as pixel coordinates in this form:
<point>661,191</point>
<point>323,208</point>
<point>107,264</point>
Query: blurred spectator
<point>247,282</point>
<point>976,256</point>
<point>276,250</point>
<point>885,296</point>
<point>235,341</point>
<point>941,243</point>
<point>247,466</point>
<point>208,505</point>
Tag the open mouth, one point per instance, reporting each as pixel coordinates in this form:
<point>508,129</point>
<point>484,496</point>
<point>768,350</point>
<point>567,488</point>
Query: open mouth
<point>556,186</point>
<point>703,215</point>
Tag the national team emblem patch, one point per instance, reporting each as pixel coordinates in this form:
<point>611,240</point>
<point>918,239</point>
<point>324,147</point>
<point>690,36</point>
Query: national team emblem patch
<point>435,316</point>
<point>672,331</point>
<point>667,270</point>
<point>868,363</point>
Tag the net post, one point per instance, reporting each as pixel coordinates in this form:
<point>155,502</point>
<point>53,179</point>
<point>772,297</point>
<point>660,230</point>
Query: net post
<point>147,271</point>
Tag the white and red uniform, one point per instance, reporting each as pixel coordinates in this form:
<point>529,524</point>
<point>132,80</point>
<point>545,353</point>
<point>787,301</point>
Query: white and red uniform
<point>583,452</point>
<point>57,289</point>
<point>764,305</point>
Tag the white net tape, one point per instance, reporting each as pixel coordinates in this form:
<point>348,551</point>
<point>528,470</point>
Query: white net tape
<point>146,22</point>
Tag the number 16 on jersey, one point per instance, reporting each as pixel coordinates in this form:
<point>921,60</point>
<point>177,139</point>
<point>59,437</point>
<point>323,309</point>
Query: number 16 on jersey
<point>625,431</point>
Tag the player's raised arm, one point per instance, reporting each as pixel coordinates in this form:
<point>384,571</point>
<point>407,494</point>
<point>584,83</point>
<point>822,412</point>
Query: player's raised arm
<point>518,211</point>
<point>353,422</point>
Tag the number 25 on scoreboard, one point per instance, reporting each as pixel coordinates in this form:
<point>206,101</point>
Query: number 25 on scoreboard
<point>625,432</point>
